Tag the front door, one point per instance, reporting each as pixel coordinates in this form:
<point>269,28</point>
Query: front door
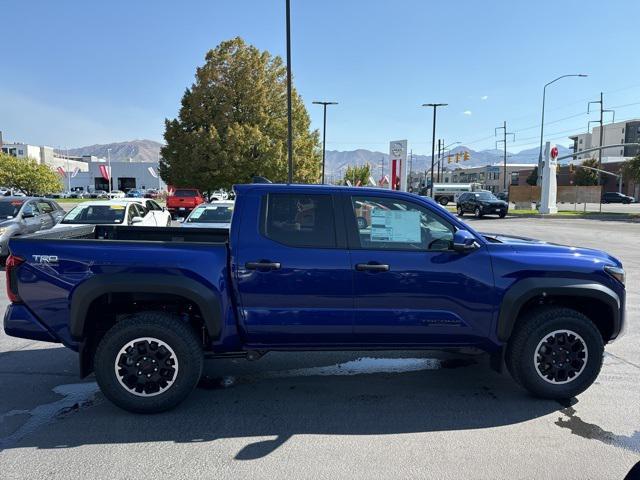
<point>292,270</point>
<point>31,217</point>
<point>411,288</point>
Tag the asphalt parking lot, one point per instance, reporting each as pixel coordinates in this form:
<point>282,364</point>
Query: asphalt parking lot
<point>336,415</point>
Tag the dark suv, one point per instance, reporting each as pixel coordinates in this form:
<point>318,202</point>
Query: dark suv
<point>481,203</point>
<point>616,197</point>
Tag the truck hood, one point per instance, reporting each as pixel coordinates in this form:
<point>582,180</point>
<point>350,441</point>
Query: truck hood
<point>533,246</point>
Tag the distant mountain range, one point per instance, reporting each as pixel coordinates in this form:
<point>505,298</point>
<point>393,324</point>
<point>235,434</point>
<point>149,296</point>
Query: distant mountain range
<point>149,151</point>
<point>336,160</point>
<point>134,150</point>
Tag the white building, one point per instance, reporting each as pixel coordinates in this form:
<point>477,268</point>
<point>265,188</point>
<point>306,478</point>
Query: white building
<point>612,133</point>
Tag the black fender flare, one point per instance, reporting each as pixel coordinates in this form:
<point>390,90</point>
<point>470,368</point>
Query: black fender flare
<point>204,297</point>
<point>524,290</point>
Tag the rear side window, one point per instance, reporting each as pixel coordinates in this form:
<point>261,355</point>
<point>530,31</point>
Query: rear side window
<point>299,220</point>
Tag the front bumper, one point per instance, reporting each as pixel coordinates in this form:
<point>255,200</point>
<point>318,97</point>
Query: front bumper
<point>20,322</point>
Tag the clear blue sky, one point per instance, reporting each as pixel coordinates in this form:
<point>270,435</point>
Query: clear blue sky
<point>76,72</point>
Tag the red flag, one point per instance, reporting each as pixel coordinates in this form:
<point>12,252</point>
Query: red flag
<point>105,172</point>
<point>61,172</point>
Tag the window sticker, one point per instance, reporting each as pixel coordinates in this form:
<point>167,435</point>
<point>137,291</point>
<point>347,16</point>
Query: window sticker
<point>197,213</point>
<point>73,213</point>
<point>395,226</point>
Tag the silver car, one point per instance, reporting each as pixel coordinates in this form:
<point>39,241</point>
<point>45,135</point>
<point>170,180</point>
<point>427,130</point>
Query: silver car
<point>23,215</point>
<point>210,215</point>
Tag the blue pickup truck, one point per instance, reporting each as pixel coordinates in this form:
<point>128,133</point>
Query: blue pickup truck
<point>310,267</point>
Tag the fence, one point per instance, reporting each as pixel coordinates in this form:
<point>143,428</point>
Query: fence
<point>526,195</point>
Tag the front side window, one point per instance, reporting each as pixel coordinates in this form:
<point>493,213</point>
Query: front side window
<point>300,220</point>
<point>392,224</point>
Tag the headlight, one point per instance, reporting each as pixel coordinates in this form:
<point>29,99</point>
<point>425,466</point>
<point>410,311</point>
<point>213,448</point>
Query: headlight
<point>2,230</point>
<point>615,272</point>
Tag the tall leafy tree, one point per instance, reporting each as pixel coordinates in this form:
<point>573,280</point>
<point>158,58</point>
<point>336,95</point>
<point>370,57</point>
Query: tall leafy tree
<point>586,177</point>
<point>27,176</point>
<point>232,124</point>
<point>357,173</point>
<point>631,170</point>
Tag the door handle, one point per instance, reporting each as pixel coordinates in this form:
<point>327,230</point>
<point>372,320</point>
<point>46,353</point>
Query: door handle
<point>262,265</point>
<point>372,267</point>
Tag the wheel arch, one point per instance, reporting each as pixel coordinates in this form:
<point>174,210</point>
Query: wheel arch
<point>596,301</point>
<point>205,298</point>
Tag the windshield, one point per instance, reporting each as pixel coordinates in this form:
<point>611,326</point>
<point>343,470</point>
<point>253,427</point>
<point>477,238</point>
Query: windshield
<point>95,214</point>
<point>9,208</point>
<point>211,214</point>
<point>486,196</point>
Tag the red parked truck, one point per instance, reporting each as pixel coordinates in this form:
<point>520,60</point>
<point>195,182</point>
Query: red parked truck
<point>182,201</point>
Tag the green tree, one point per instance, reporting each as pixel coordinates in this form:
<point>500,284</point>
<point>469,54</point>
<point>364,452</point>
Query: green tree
<point>357,173</point>
<point>631,170</point>
<point>233,124</point>
<point>586,177</point>
<point>27,176</point>
<point>532,179</point>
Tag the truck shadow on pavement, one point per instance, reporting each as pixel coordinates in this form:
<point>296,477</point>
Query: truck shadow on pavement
<point>268,399</point>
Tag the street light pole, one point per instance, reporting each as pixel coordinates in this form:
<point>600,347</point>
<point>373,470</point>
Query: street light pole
<point>544,94</point>
<point>433,141</point>
<point>289,125</point>
<point>324,130</point>
<point>109,168</point>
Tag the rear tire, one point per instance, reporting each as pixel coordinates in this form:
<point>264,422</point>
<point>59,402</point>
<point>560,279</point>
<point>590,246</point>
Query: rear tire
<point>444,201</point>
<point>477,212</point>
<point>555,353</point>
<point>149,362</point>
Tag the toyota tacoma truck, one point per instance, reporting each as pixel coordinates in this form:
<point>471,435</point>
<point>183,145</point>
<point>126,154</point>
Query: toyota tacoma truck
<point>302,268</point>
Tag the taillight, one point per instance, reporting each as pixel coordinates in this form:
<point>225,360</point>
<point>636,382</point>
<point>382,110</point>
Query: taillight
<point>12,282</point>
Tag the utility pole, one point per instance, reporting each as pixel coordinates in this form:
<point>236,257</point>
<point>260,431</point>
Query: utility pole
<point>410,165</point>
<point>382,169</point>
<point>289,123</point>
<point>433,141</point>
<point>504,142</point>
<point>601,139</point>
<point>440,148</point>
<point>109,168</point>
<point>324,131</point>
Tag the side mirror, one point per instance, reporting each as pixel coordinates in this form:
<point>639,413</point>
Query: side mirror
<point>181,219</point>
<point>464,241</point>
<point>28,214</point>
<point>135,220</point>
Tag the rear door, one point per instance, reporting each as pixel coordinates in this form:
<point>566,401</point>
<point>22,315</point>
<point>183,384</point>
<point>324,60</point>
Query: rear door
<point>410,287</point>
<point>293,275</point>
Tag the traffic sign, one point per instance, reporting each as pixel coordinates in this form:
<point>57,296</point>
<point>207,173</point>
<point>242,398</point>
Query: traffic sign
<point>554,152</point>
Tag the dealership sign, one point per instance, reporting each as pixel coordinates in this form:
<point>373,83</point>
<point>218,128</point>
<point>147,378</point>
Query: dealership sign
<point>398,164</point>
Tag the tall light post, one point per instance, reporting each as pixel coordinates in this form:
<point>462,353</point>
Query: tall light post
<point>289,124</point>
<point>324,130</point>
<point>544,94</point>
<point>433,140</point>
<point>109,168</point>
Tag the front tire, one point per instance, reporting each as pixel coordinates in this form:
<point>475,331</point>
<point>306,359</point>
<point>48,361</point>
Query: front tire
<point>149,362</point>
<point>460,211</point>
<point>444,201</point>
<point>555,353</point>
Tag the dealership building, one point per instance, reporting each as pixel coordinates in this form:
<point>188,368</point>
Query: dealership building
<point>85,172</point>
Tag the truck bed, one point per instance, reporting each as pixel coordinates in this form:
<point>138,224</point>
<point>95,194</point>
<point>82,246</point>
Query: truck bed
<point>141,234</point>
